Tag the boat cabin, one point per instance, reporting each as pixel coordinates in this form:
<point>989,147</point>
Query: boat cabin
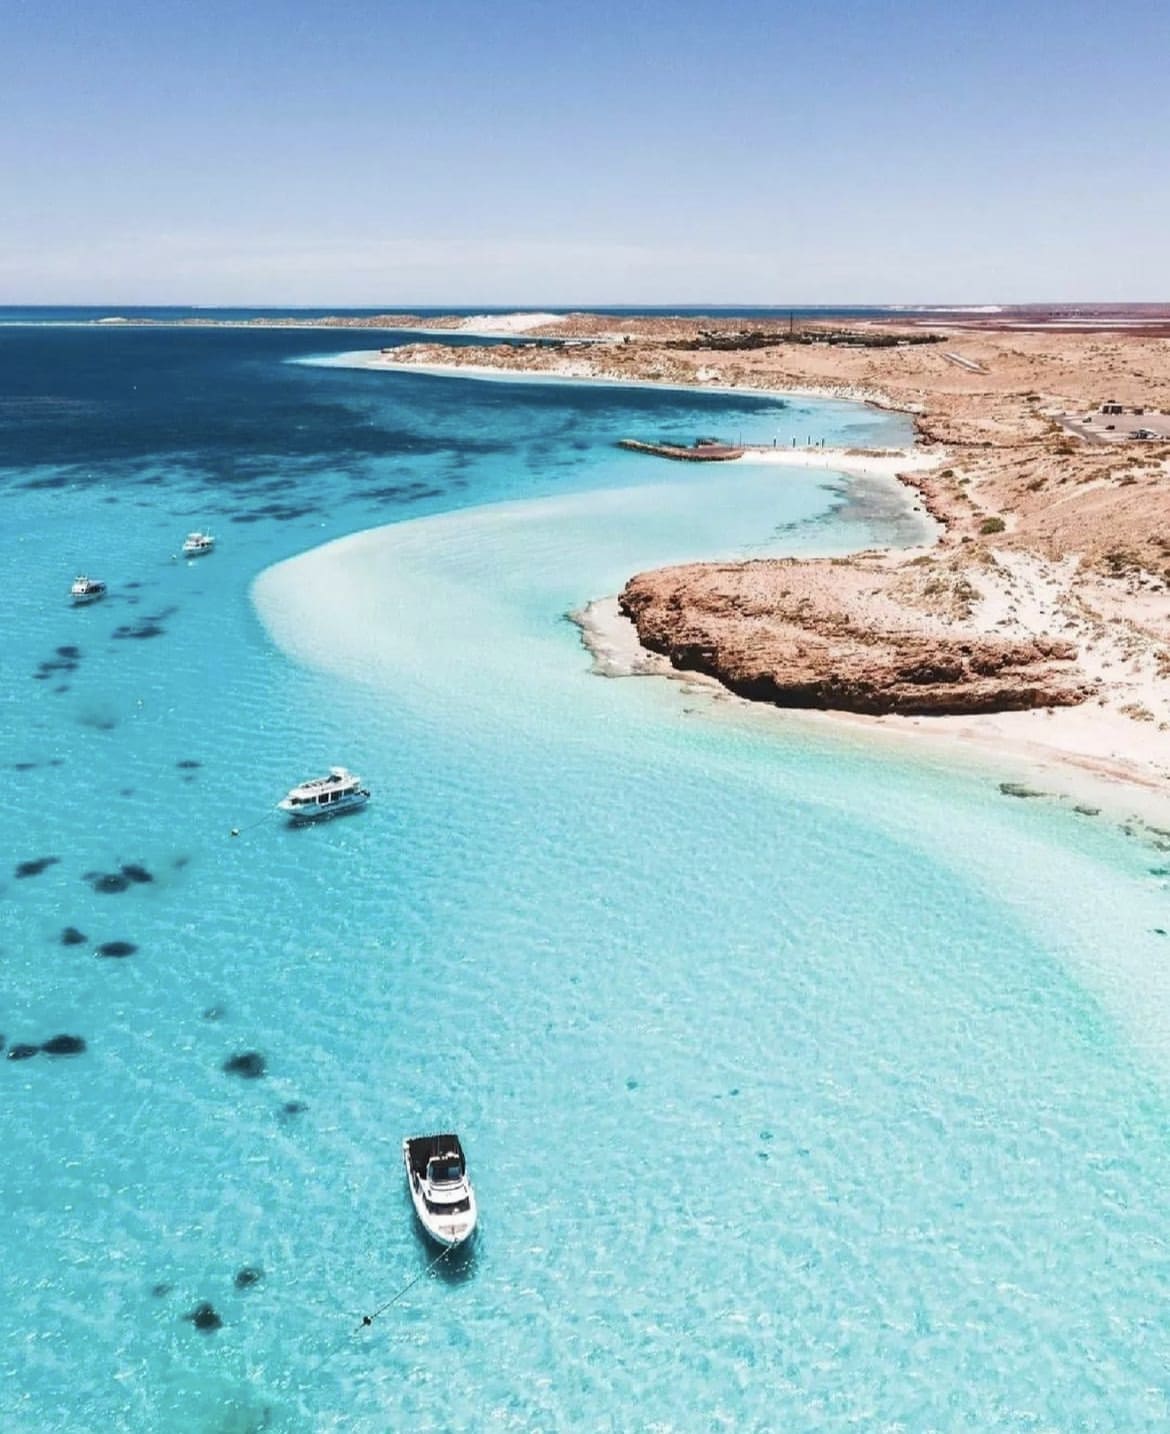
<point>324,798</point>
<point>439,1161</point>
<point>325,791</point>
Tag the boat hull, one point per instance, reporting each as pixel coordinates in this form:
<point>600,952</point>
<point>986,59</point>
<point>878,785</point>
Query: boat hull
<point>84,599</point>
<point>305,816</point>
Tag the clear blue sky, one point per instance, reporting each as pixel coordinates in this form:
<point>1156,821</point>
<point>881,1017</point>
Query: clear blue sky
<point>545,151</point>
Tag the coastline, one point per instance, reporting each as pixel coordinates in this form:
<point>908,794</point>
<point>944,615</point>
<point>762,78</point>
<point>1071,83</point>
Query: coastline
<point>569,373</point>
<point>1096,738</point>
<point>1048,574</point>
<point>1043,746</point>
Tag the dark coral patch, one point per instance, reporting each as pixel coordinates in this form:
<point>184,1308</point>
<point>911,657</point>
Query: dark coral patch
<point>139,632</point>
<point>188,765</point>
<point>69,651</point>
<point>36,866</point>
<point>247,1064</point>
<point>136,873</point>
<point>117,948</point>
<point>63,1046</point>
<point>23,1052</point>
<point>215,1013</point>
<point>107,882</point>
<point>293,1107</point>
<point>160,1290</point>
<point>247,1277</point>
<point>204,1317</point>
<point>72,937</point>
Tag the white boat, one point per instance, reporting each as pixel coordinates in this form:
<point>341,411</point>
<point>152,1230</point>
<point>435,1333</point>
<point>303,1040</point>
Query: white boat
<point>196,544</point>
<point>444,1201</point>
<point>86,590</point>
<point>327,796</point>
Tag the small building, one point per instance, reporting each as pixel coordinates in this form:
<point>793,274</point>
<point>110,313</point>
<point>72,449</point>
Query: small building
<point>1112,407</point>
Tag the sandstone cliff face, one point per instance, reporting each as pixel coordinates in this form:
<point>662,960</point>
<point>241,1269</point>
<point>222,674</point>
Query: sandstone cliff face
<point>841,636</point>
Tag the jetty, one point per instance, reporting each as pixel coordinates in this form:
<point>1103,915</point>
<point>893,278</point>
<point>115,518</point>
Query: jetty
<point>703,450</point>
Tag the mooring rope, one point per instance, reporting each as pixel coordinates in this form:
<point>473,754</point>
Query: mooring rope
<point>368,1320</point>
<point>236,831</point>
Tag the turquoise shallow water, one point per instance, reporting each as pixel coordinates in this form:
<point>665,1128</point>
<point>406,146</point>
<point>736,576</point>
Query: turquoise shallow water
<point>805,1086</point>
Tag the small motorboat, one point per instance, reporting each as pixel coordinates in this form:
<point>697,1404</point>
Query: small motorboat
<point>86,590</point>
<point>327,796</point>
<point>444,1201</point>
<point>196,544</point>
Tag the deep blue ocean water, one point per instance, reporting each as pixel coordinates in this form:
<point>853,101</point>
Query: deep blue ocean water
<point>806,1085</point>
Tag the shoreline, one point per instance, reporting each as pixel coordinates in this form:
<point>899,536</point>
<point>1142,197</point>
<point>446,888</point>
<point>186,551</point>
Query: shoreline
<point>1003,746</point>
<point>1102,742</point>
<point>373,360</point>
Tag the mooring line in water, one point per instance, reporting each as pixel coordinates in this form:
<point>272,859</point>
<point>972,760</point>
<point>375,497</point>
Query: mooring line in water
<point>236,831</point>
<point>369,1319</point>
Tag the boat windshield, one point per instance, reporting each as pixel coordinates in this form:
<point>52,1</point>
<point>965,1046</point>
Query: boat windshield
<point>456,1207</point>
<point>444,1169</point>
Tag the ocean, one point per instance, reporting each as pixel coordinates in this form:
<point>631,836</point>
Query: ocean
<point>806,1081</point>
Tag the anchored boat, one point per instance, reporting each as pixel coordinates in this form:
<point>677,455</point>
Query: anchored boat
<point>327,796</point>
<point>444,1201</point>
<point>196,544</point>
<point>86,590</point>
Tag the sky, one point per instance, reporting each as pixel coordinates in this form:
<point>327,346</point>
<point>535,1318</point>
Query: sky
<point>546,152</point>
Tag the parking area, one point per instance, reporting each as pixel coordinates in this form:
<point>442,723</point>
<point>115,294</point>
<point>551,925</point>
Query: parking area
<point>1113,424</point>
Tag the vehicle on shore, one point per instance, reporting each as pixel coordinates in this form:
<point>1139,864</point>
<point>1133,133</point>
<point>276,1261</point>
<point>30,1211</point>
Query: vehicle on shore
<point>85,590</point>
<point>443,1198</point>
<point>195,545</point>
<point>327,796</point>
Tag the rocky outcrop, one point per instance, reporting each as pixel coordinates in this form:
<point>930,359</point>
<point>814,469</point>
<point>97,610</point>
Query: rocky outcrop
<point>846,637</point>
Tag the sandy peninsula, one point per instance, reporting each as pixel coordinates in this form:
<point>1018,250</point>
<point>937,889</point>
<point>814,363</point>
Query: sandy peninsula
<point>1040,620</point>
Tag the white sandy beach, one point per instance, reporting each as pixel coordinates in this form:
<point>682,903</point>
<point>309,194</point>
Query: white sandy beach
<point>854,461</point>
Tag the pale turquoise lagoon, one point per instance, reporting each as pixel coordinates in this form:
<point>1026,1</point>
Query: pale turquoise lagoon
<point>807,1084</point>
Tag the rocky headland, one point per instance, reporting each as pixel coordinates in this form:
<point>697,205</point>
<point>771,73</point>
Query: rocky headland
<point>861,641</point>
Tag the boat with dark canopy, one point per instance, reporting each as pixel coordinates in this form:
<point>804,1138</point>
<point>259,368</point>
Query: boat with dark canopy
<point>444,1201</point>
